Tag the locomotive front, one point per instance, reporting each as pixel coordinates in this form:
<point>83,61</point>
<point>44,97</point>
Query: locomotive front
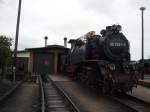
<point>114,44</point>
<point>117,70</point>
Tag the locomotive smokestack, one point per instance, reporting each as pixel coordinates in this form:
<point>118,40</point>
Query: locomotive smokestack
<point>45,40</point>
<point>65,42</point>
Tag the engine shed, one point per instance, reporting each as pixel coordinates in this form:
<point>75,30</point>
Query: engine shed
<point>46,59</point>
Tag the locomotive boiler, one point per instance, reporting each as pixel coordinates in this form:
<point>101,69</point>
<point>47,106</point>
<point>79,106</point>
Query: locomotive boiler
<point>103,61</point>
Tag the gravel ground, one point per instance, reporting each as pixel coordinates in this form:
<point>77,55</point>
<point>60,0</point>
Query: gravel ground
<point>88,101</point>
<point>141,93</point>
<point>5,86</point>
<point>24,99</point>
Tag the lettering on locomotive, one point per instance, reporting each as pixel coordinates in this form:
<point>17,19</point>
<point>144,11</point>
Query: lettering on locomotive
<point>115,44</point>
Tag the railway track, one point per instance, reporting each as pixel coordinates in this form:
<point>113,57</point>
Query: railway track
<point>135,104</point>
<point>56,100</point>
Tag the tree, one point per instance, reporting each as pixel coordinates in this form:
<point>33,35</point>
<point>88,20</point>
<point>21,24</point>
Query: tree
<point>5,41</point>
<point>5,53</point>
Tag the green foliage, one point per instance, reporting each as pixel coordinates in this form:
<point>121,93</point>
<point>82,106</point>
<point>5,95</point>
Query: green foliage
<point>5,53</point>
<point>5,41</point>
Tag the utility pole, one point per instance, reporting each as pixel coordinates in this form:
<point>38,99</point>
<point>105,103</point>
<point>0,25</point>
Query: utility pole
<point>16,40</point>
<point>142,13</point>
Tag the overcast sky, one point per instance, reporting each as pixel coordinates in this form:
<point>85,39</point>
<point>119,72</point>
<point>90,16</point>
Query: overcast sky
<point>73,18</point>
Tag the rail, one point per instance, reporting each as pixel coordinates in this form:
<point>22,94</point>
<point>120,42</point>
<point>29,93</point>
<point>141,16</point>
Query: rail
<point>73,107</point>
<point>42,95</point>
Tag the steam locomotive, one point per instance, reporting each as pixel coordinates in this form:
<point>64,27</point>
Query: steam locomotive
<point>103,61</point>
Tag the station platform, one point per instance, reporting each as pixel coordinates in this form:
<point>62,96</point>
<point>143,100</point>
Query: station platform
<point>146,81</point>
<point>58,77</point>
<point>141,92</point>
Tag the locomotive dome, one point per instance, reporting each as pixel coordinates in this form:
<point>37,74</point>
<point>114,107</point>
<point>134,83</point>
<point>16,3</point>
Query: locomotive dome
<point>116,46</point>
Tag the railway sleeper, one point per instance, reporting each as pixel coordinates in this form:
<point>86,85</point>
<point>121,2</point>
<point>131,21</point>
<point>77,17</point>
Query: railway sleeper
<point>55,102</point>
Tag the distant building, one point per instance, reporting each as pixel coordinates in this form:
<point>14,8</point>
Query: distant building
<point>46,59</point>
<point>23,53</point>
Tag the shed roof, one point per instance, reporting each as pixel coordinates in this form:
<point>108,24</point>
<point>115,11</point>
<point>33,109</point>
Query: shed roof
<point>48,47</point>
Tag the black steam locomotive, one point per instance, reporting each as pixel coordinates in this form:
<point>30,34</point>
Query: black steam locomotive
<point>103,61</point>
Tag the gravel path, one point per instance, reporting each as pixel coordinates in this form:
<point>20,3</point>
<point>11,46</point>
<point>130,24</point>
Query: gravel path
<point>24,99</point>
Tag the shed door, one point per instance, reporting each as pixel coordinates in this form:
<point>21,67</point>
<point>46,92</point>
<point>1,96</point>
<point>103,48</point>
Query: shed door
<point>43,63</point>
